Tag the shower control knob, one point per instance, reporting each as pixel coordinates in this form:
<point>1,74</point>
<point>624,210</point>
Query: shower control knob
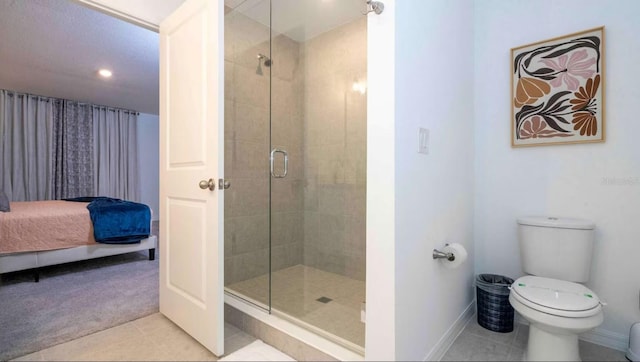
<point>204,184</point>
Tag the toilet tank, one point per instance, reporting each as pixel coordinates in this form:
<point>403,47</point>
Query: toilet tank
<point>559,248</point>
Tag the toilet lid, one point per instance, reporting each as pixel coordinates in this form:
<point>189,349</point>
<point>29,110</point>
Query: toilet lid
<point>556,294</point>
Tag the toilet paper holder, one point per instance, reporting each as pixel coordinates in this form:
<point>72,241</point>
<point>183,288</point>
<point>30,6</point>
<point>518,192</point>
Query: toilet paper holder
<point>437,254</point>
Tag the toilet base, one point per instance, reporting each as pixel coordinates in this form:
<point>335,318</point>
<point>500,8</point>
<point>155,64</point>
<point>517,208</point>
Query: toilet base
<point>545,346</point>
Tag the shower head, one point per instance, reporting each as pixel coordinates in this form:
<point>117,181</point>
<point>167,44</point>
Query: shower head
<point>267,63</point>
<point>267,60</point>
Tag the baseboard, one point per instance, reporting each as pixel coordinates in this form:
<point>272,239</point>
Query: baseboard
<point>439,350</point>
<point>599,336</point>
<point>607,338</point>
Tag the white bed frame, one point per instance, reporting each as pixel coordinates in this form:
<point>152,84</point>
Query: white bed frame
<point>37,259</point>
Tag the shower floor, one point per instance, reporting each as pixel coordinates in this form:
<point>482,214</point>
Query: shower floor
<point>296,290</point>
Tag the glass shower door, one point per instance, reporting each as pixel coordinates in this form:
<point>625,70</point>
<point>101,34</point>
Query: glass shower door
<point>318,210</point>
<point>247,147</point>
<point>295,154</point>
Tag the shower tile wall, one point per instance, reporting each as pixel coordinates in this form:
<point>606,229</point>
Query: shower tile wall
<point>247,152</point>
<point>335,150</point>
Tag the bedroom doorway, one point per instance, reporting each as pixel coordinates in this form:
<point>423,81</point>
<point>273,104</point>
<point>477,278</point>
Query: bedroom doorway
<point>53,43</point>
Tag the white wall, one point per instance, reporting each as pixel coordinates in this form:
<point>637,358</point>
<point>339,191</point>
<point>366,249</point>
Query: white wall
<point>561,180</point>
<point>148,161</point>
<point>434,192</point>
<point>380,333</point>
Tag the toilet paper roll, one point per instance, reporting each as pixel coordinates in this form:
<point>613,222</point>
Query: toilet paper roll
<point>458,251</point>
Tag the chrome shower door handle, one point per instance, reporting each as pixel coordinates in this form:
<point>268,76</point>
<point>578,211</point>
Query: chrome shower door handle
<point>286,163</point>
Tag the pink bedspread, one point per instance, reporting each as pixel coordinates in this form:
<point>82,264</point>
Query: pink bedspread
<point>45,225</point>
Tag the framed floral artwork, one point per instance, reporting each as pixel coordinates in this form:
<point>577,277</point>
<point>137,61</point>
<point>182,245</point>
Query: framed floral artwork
<point>557,90</point>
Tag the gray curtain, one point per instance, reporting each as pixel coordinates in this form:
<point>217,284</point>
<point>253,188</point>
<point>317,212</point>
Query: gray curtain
<point>115,153</point>
<point>53,149</point>
<point>26,136</point>
<point>73,151</point>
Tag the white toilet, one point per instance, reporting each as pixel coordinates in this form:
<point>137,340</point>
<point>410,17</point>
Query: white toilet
<point>556,253</point>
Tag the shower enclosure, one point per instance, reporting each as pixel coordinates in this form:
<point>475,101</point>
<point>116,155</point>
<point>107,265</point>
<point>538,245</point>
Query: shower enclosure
<point>295,155</point>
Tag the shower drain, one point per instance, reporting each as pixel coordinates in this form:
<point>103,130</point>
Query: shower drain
<point>324,300</point>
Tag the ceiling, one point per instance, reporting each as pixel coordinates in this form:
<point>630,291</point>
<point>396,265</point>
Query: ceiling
<point>55,47</point>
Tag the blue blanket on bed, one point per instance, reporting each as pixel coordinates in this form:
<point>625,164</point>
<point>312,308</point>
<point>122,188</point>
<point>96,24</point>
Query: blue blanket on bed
<point>117,221</point>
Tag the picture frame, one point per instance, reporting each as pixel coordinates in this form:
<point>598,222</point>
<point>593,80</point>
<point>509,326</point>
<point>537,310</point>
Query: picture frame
<point>558,90</point>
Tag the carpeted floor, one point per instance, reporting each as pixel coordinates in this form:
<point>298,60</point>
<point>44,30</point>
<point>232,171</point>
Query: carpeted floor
<point>73,300</point>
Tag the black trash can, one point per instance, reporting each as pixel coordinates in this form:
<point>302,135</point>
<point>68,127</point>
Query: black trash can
<point>495,313</point>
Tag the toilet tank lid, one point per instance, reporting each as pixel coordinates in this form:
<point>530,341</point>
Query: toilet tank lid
<point>557,222</point>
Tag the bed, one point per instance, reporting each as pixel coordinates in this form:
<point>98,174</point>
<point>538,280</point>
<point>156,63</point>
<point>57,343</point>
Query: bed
<point>41,233</point>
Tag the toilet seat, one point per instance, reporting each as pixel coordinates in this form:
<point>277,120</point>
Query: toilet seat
<point>556,297</point>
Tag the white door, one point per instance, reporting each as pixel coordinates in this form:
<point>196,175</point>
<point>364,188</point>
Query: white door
<point>191,151</point>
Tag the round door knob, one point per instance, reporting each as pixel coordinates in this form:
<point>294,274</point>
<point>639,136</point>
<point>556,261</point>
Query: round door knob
<point>204,184</point>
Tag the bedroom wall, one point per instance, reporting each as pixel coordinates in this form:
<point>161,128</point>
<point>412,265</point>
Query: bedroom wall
<point>148,161</point>
<point>600,182</point>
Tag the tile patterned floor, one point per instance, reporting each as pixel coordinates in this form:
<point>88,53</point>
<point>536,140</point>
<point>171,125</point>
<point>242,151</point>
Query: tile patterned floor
<point>158,339</point>
<point>153,338</point>
<point>478,344</point>
<point>296,290</point>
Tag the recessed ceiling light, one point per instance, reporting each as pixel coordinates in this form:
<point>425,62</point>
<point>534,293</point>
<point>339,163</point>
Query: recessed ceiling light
<point>105,73</point>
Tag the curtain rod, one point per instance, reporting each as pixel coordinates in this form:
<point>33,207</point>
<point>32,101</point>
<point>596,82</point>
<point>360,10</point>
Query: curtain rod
<point>47,99</point>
